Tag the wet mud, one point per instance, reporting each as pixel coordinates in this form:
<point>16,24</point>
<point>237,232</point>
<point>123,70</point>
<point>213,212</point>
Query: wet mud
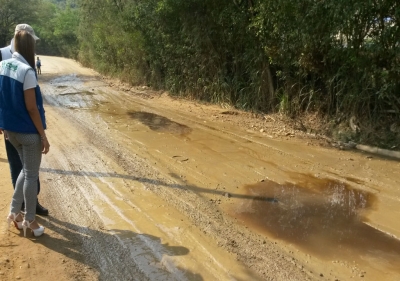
<point>159,123</point>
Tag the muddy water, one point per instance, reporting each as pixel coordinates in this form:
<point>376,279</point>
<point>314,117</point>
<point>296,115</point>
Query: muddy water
<point>159,123</point>
<point>321,216</point>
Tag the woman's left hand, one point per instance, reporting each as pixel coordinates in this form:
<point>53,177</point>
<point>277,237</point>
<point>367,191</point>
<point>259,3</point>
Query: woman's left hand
<point>45,146</point>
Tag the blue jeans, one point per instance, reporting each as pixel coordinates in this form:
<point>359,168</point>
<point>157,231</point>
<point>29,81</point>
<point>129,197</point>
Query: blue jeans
<point>15,163</point>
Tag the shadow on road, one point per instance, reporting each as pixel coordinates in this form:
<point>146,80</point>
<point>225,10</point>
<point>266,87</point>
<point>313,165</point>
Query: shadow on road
<point>114,254</point>
<point>160,183</point>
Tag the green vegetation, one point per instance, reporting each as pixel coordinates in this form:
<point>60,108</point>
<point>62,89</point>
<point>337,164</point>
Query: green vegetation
<point>338,58</point>
<point>58,28</point>
<point>13,12</point>
<point>55,22</point>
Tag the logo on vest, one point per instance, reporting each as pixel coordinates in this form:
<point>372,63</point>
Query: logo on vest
<point>10,66</point>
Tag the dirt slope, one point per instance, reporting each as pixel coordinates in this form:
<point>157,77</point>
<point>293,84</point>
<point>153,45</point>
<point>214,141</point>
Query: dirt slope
<point>141,186</point>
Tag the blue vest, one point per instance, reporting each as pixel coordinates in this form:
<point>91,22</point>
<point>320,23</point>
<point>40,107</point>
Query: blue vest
<point>14,116</point>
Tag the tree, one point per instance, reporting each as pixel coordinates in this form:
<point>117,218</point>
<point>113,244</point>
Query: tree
<point>13,12</point>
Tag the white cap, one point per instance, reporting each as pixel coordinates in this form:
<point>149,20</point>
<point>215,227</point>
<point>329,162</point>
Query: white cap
<point>27,28</point>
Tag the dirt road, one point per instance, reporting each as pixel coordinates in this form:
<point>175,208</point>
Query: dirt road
<point>141,186</point>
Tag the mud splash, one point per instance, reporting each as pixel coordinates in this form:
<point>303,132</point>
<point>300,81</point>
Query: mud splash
<point>322,216</point>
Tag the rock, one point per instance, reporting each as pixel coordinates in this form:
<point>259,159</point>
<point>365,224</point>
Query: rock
<point>226,194</point>
<point>394,128</point>
<point>354,125</point>
<point>351,144</point>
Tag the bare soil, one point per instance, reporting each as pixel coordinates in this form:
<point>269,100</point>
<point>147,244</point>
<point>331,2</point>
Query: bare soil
<point>144,186</point>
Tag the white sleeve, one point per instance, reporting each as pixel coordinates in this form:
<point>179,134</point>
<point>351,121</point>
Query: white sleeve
<point>6,53</point>
<point>30,80</point>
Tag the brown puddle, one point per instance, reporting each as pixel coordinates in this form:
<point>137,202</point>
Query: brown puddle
<point>321,216</point>
<point>159,123</point>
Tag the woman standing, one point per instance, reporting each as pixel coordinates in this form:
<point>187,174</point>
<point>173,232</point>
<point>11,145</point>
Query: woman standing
<point>23,121</point>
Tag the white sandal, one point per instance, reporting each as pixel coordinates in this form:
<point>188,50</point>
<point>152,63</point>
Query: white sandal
<point>12,218</point>
<point>36,232</point>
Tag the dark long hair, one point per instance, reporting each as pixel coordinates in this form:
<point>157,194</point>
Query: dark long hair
<point>24,44</point>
